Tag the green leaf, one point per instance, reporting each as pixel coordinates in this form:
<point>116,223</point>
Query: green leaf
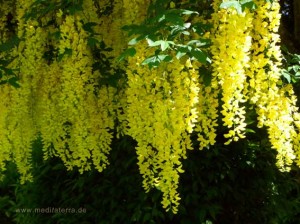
<point>56,35</point>
<point>286,75</point>
<point>154,43</point>
<point>7,71</point>
<point>135,40</point>
<point>180,54</point>
<point>232,4</point>
<point>155,60</point>
<point>182,50</point>
<point>249,130</point>
<point>161,18</point>
<point>192,42</point>
<point>188,12</point>
<point>136,29</point>
<point>129,52</point>
<point>201,28</point>
<point>165,58</point>
<point>176,29</point>
<point>13,81</point>
<point>11,43</point>
<point>201,56</point>
<point>111,80</point>
<point>175,19</point>
<point>187,33</point>
<point>88,27</point>
<point>2,82</point>
<point>248,4</point>
<point>187,25</point>
<point>73,8</point>
<point>164,45</point>
<point>68,51</point>
<point>151,62</point>
<point>206,75</point>
<point>296,68</point>
<point>92,42</point>
<point>4,62</point>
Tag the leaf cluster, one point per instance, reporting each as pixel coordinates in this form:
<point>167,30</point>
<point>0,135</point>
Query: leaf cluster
<point>41,8</point>
<point>291,70</point>
<point>239,5</point>
<point>167,31</point>
<point>8,75</point>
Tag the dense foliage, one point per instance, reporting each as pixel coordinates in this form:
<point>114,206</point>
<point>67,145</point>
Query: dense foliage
<point>80,78</point>
<point>236,184</point>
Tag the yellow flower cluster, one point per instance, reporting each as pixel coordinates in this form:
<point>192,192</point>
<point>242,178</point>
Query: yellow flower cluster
<point>230,49</point>
<point>19,129</point>
<point>207,114</point>
<point>246,65</point>
<point>6,8</point>
<point>82,137</point>
<point>60,100</point>
<point>274,106</point>
<point>161,112</point>
<point>64,101</point>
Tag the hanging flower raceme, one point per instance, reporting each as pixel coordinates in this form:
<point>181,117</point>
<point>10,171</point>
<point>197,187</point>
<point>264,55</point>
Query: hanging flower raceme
<point>6,9</point>
<point>73,92</point>
<point>17,116</point>
<point>230,50</point>
<point>207,114</point>
<point>161,111</point>
<point>84,112</point>
<point>273,105</point>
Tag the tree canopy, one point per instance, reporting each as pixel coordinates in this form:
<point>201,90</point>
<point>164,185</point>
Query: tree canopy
<point>173,76</point>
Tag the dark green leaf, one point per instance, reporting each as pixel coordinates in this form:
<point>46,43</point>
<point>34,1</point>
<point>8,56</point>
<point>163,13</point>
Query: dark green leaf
<point>92,42</point>
<point>111,80</point>
<point>68,52</point>
<point>175,19</point>
<point>88,27</point>
<point>75,7</point>
<point>201,56</point>
<point>4,62</point>
<point>11,43</point>
<point>248,4</point>
<point>109,49</point>
<point>136,29</point>
<point>2,82</point>
<point>206,75</point>
<point>7,71</point>
<point>56,35</point>
<point>129,52</point>
<point>13,81</point>
<point>181,51</point>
